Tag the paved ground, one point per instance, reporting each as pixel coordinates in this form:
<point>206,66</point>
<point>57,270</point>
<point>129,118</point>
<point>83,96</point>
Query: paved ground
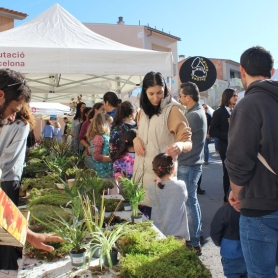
<point>210,202</point>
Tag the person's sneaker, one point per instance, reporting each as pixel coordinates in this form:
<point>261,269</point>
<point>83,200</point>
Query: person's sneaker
<point>197,249</point>
<point>216,154</point>
<point>201,191</point>
<point>206,163</point>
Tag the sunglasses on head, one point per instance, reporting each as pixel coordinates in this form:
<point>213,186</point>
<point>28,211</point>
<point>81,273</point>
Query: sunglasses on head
<point>14,84</point>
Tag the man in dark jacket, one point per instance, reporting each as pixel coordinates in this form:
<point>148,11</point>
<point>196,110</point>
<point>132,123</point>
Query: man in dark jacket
<point>219,128</point>
<point>253,130</point>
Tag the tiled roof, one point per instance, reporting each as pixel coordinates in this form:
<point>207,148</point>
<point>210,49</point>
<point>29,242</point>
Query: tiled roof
<point>12,14</point>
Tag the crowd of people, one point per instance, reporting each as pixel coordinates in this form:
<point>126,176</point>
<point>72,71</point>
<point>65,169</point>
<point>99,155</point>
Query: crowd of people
<point>164,145</point>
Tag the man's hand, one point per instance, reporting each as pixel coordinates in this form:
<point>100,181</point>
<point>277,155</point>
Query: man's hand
<point>38,240</point>
<point>234,203</point>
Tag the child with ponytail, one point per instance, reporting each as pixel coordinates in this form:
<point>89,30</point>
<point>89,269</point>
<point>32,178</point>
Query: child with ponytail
<point>168,198</point>
<point>124,158</point>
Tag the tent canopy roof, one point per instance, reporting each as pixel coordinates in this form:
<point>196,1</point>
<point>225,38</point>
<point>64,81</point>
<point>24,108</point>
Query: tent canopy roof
<point>56,42</point>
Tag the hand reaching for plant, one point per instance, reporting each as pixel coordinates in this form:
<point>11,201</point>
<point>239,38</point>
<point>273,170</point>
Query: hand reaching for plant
<point>38,240</point>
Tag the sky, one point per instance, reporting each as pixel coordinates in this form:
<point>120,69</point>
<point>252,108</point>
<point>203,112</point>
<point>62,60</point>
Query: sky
<point>210,28</point>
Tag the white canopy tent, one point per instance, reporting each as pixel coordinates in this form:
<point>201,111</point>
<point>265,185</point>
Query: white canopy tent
<point>44,108</point>
<point>61,58</point>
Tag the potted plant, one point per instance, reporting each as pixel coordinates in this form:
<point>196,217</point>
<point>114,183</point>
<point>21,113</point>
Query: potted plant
<point>72,232</point>
<point>135,193</point>
<point>102,241</point>
<point>106,241</point>
<point>93,216</point>
<point>71,173</point>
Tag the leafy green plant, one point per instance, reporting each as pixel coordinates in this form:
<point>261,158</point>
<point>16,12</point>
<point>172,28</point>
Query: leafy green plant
<point>73,231</point>
<point>87,182</point>
<point>34,168</point>
<point>105,240</point>
<point>134,192</point>
<point>38,152</point>
<point>61,148</point>
<point>102,239</point>
<point>71,173</point>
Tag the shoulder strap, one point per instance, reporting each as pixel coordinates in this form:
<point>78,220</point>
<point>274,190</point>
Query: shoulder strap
<point>264,162</point>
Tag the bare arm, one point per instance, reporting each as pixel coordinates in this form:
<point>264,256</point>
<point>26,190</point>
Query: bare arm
<point>178,125</point>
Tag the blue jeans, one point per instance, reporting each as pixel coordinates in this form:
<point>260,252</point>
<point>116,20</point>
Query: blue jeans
<point>206,150</point>
<point>259,238</point>
<point>234,268</point>
<point>190,175</point>
<point>216,144</point>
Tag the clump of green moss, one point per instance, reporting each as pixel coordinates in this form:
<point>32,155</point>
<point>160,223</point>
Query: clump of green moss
<point>144,255</point>
<point>111,204</point>
<point>44,212</point>
<point>52,198</point>
<point>47,181</point>
<point>61,250</point>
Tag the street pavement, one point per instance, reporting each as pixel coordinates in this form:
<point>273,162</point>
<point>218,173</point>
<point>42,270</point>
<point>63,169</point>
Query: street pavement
<point>209,203</point>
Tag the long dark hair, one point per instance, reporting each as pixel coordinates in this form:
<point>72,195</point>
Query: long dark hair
<point>124,110</point>
<point>85,111</point>
<point>226,96</point>
<point>78,112</point>
<point>96,106</point>
<point>163,164</point>
<point>127,142</point>
<point>152,79</point>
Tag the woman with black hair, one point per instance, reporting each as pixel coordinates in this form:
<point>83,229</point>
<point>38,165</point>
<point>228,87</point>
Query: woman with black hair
<point>111,103</point>
<point>124,120</point>
<point>219,128</point>
<point>77,118</point>
<point>162,127</point>
<point>124,158</point>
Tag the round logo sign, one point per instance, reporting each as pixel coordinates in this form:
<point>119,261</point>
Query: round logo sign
<point>199,70</point>
<point>34,109</point>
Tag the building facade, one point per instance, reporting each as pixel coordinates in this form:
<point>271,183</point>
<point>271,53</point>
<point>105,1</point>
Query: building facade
<point>7,18</point>
<point>142,37</point>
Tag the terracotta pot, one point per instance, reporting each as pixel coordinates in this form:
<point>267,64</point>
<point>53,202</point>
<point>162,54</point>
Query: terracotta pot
<point>70,182</point>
